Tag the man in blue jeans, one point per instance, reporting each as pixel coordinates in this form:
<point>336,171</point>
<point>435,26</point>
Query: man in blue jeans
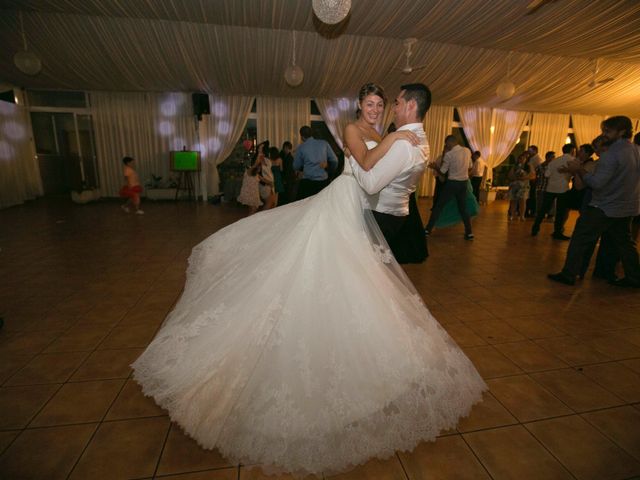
<point>615,200</point>
<point>312,158</point>
<point>457,162</point>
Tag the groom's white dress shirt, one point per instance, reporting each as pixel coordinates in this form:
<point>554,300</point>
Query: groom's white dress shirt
<point>394,178</point>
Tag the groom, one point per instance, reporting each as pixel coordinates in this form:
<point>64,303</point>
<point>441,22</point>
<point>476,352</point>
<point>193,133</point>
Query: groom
<point>391,183</point>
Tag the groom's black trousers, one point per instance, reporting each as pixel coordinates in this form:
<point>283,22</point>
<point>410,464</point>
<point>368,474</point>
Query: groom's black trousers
<point>405,235</point>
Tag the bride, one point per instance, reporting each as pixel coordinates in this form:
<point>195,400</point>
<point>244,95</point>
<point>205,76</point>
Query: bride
<point>318,356</point>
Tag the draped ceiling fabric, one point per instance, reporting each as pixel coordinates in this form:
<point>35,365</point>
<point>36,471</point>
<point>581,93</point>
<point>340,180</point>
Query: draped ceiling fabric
<point>146,126</point>
<point>220,132</point>
<point>549,132</point>
<point>280,119</point>
<point>337,113</point>
<point>243,47</point>
<point>437,125</point>
<point>586,127</point>
<point>19,172</point>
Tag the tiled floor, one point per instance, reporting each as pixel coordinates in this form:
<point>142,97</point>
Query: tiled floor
<point>85,288</point>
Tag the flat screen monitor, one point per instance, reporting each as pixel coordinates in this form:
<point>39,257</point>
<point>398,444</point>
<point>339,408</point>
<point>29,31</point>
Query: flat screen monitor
<point>185,161</point>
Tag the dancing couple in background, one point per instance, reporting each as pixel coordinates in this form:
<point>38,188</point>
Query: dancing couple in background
<point>321,355</point>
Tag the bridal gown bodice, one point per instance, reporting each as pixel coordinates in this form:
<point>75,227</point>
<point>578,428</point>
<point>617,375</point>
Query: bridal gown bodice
<point>299,344</point>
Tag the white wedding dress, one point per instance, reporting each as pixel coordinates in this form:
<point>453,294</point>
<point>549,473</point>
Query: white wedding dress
<point>299,344</point>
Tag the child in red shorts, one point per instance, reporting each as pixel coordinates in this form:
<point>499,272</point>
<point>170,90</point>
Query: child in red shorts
<point>132,189</point>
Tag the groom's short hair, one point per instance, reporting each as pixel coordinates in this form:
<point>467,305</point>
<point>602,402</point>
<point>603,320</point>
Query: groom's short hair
<point>421,94</point>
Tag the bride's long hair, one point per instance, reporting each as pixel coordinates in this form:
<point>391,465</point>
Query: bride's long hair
<point>370,89</point>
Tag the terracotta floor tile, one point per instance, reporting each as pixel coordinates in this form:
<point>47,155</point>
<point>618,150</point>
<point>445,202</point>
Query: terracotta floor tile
<point>123,449</point>
<point>131,403</point>
<point>374,470</point>
<point>526,399</point>
<point>10,364</point>
<point>529,356</point>
<point>66,293</point>
<point>534,327</point>
<point>182,454</point>
<point>45,453</point>
<point>463,335</point>
<point>109,315</point>
<point>583,449</point>
<point>224,474</point>
<point>106,364</point>
<point>496,331</point>
<point>621,424</point>
<point>248,473</point>
<point>129,336</point>
<point>513,453</point>
<point>633,364</point>
<point>577,390</point>
<point>48,368</point>
<point>79,338</point>
<point>632,335</point>
<point>446,458</point>
<point>18,405</point>
<point>572,351</point>
<point>6,437</point>
<point>26,343</point>
<point>137,317</point>
<point>615,377</point>
<point>80,402</point>
<point>490,362</point>
<point>613,345</point>
<point>487,414</point>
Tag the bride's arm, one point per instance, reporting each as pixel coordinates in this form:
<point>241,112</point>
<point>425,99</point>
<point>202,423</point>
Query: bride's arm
<point>368,158</point>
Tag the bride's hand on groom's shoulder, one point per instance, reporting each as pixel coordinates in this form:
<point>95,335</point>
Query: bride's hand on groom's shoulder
<point>407,135</point>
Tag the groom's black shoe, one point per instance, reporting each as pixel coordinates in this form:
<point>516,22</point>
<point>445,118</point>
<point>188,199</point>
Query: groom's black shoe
<point>427,232</point>
<point>561,278</point>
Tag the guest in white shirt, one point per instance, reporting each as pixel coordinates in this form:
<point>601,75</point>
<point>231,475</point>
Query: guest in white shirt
<point>478,168</point>
<point>457,162</point>
<point>557,188</point>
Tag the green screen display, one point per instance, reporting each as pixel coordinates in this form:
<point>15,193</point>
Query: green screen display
<point>185,161</point>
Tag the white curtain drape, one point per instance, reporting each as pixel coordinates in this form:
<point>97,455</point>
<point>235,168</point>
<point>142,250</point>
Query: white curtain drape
<point>280,119</point>
<point>220,132</point>
<point>437,125</point>
<point>586,127</point>
<point>507,128</point>
<point>476,123</point>
<point>549,131</point>
<point>19,172</point>
<point>146,126</point>
<point>494,146</point>
<point>337,113</point>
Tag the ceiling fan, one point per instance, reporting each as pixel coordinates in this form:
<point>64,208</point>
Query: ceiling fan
<point>594,81</point>
<point>408,68</point>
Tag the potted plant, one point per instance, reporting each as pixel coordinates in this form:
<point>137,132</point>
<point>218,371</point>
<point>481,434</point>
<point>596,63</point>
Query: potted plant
<point>156,189</point>
<point>487,194</point>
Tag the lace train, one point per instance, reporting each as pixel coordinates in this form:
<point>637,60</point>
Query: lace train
<point>300,345</point>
